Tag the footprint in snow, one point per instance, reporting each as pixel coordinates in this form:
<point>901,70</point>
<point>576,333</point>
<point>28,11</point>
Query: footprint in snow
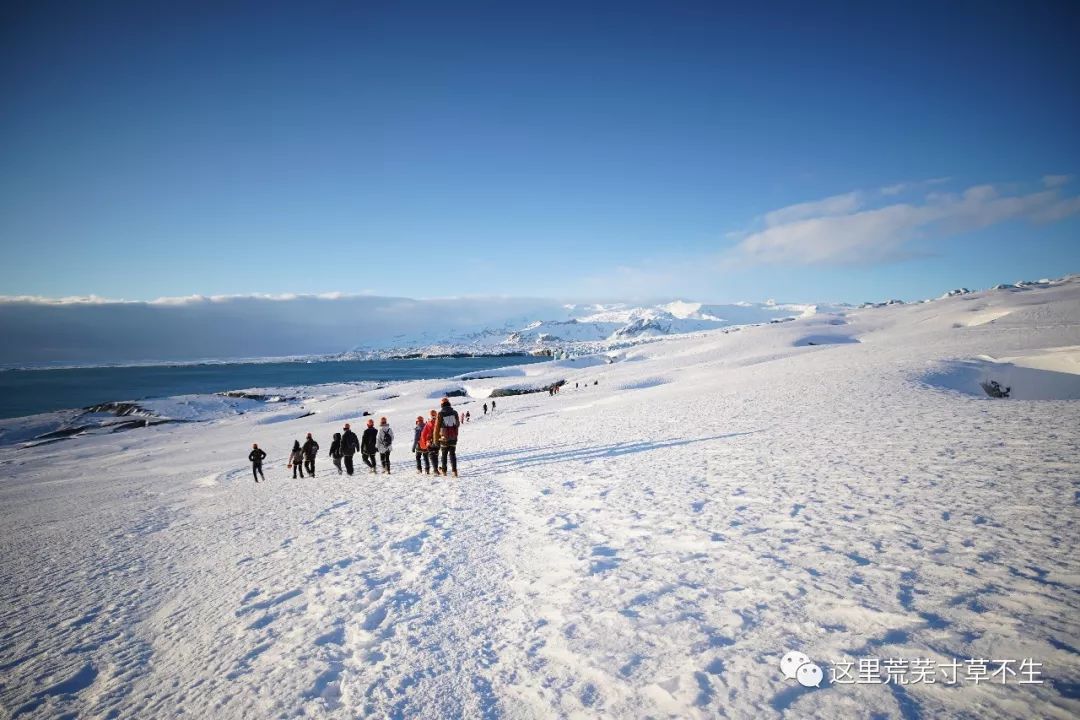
<point>375,618</point>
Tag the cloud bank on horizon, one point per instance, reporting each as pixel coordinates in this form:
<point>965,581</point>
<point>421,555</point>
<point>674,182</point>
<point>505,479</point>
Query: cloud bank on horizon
<point>96,330</point>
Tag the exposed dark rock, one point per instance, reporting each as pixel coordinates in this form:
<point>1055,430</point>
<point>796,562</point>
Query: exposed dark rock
<point>507,392</point>
<point>119,409</point>
<point>993,389</point>
<point>256,396</point>
<point>442,356</point>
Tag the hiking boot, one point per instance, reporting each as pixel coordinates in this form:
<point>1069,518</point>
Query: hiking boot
<point>455,473</point>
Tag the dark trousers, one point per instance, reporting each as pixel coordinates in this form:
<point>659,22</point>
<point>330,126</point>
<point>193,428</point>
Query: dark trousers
<point>337,464</point>
<point>348,464</point>
<point>309,465</point>
<point>369,459</point>
<point>384,457</point>
<point>448,451</point>
<point>297,467</point>
<point>423,456</point>
<point>256,470</point>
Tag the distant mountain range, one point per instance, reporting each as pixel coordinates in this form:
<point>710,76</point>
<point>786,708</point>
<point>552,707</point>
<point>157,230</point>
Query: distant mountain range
<point>588,328</point>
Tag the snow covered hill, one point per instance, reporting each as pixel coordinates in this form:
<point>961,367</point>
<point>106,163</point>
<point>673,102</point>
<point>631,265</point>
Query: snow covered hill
<point>649,542</point>
<point>591,328</point>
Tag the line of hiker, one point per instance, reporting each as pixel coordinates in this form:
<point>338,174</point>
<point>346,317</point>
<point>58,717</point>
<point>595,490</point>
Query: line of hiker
<point>434,445</point>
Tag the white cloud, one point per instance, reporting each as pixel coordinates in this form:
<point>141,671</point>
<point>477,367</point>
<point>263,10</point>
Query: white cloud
<point>1052,181</point>
<point>823,233</point>
<point>900,188</point>
<point>835,205</point>
<point>1057,211</point>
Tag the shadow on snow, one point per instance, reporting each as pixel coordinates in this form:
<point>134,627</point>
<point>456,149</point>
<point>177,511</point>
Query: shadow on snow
<point>521,458</point>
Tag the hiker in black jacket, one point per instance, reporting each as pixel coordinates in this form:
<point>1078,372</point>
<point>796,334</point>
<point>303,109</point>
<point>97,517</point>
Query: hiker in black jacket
<point>368,445</point>
<point>350,445</point>
<point>418,449</point>
<point>335,452</point>
<point>311,449</point>
<point>447,424</point>
<point>256,456</point>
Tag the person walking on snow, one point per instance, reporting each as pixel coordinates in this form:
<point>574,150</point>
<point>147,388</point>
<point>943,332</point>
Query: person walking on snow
<point>383,443</point>
<point>447,424</point>
<point>311,449</point>
<point>485,408</point>
<point>427,443</point>
<point>256,456</point>
<point>368,445</point>
<point>468,416</point>
<point>296,459</point>
<point>420,452</point>
<point>492,406</point>
<point>335,452</point>
<point>350,445</point>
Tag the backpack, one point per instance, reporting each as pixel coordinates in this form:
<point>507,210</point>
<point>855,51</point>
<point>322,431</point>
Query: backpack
<point>450,423</point>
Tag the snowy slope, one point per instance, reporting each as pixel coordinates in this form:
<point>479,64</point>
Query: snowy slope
<point>646,546</point>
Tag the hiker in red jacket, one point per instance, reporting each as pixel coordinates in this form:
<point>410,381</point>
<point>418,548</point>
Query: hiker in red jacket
<point>427,443</point>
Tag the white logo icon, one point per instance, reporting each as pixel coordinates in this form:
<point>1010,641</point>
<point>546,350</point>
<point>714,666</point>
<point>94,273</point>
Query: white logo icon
<point>797,666</point>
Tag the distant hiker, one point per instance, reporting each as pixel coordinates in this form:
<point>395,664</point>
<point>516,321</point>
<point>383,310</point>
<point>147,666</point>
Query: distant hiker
<point>447,424</point>
<point>296,459</point>
<point>311,449</point>
<point>427,442</point>
<point>256,456</point>
<point>419,448</point>
<point>492,406</point>
<point>350,445</point>
<point>575,386</point>
<point>485,408</point>
<point>383,442</point>
<point>335,452</point>
<point>368,445</point>
<point>595,382</point>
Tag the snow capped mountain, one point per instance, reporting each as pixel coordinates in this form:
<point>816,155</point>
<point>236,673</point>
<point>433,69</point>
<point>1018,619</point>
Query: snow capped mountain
<point>594,327</point>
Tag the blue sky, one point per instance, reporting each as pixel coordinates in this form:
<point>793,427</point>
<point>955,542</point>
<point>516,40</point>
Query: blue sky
<point>576,150</point>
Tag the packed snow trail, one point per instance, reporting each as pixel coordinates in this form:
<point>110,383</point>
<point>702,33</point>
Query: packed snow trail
<point>646,547</point>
